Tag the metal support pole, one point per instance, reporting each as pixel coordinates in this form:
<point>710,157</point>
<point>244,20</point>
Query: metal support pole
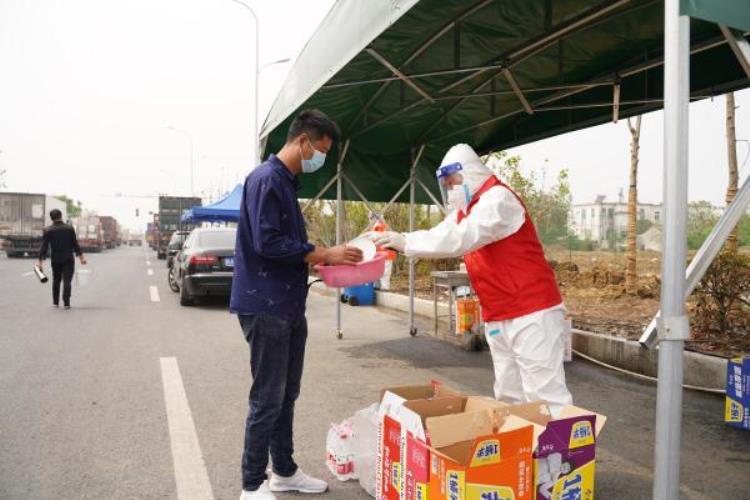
<point>412,262</point>
<point>706,253</point>
<point>339,228</point>
<point>674,326</point>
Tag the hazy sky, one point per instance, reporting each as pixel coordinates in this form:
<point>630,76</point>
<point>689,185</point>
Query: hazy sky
<point>88,88</point>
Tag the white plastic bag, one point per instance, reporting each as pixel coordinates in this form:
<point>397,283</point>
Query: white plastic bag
<point>339,455</point>
<point>364,446</point>
<point>83,276</point>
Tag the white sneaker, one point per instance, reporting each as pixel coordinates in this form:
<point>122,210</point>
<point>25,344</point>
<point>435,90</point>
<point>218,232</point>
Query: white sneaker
<point>300,482</point>
<point>262,493</point>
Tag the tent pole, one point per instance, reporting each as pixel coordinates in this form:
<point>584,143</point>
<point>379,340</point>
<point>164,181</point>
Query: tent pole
<point>412,193</point>
<point>674,326</point>
<point>339,229</point>
<point>412,261</point>
<point>707,252</point>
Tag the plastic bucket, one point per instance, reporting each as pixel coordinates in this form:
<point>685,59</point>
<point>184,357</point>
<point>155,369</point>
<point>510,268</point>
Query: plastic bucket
<point>83,277</point>
<point>358,274</point>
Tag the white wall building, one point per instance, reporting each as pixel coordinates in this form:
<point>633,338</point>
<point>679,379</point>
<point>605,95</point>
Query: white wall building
<point>602,221</point>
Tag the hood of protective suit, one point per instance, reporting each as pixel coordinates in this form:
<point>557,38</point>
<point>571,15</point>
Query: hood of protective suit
<point>474,172</point>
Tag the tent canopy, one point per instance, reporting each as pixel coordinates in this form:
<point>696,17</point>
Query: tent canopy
<point>227,209</point>
<point>399,74</point>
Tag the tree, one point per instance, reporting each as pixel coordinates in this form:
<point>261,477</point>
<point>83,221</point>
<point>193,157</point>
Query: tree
<point>643,225</point>
<point>731,244</point>
<point>701,220</point>
<point>549,208</point>
<point>631,275</point>
<point>73,208</point>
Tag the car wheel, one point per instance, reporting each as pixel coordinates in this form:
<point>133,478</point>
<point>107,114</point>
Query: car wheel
<point>172,280</point>
<point>185,298</point>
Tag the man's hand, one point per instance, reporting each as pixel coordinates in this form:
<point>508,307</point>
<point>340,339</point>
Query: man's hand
<point>388,239</point>
<point>83,260</point>
<point>343,255</point>
<point>40,264</point>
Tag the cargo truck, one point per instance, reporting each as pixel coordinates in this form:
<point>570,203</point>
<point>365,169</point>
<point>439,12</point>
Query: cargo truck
<point>170,213</point>
<point>90,233</point>
<point>151,235</point>
<point>23,217</point>
<point>110,231</point>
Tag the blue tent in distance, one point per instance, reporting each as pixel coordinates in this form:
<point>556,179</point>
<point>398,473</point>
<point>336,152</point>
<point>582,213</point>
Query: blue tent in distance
<point>227,209</point>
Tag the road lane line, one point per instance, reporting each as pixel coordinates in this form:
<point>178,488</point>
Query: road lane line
<point>190,472</point>
<point>150,272</point>
<point>154,293</point>
<point>148,262</point>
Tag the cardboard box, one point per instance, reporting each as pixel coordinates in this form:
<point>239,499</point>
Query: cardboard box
<point>737,409</point>
<point>564,449</point>
<point>415,473</point>
<point>495,464</point>
<point>388,473</point>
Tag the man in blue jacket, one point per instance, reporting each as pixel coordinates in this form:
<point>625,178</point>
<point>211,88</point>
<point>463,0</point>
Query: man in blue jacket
<point>269,291</point>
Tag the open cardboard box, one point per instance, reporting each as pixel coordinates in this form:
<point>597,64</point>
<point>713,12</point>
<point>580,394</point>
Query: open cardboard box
<point>388,473</point>
<point>415,476</point>
<point>564,448</point>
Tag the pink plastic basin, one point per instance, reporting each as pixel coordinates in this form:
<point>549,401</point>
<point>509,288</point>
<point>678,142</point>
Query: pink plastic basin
<point>358,274</point>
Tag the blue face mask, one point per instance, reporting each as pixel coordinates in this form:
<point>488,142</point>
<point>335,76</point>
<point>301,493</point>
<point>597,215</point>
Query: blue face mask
<point>313,164</point>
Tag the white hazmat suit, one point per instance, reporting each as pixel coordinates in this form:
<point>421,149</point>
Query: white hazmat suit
<point>527,350</point>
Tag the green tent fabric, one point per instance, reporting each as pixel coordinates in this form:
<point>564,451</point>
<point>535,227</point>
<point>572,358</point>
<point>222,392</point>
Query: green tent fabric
<point>399,74</point>
<point>732,13</point>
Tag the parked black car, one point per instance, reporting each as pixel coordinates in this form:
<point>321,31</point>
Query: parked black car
<point>175,245</point>
<point>205,264</point>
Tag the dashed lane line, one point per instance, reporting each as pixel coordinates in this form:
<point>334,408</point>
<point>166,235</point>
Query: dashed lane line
<point>190,472</point>
<point>150,272</point>
<point>154,293</point>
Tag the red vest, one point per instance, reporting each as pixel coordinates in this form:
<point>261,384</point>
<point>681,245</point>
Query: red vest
<point>511,276</point>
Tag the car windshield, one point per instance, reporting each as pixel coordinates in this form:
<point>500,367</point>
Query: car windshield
<point>217,239</point>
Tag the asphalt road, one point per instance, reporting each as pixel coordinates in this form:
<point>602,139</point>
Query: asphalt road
<point>88,397</point>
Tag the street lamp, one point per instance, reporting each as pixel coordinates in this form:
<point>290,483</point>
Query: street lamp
<point>258,69</point>
<point>190,140</point>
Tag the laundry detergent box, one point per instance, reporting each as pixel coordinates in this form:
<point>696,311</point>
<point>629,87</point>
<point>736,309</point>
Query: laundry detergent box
<point>389,458</point>
<point>416,441</point>
<point>496,463</point>
<point>564,449</point>
<point>737,410</point>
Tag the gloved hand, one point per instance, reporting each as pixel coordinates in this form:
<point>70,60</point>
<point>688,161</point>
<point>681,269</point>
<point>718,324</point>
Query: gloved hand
<point>388,239</point>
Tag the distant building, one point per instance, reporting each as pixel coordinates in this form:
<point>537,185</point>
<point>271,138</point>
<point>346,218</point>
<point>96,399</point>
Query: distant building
<point>604,222</point>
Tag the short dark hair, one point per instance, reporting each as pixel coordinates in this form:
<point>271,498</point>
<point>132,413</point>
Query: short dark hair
<point>55,214</point>
<point>315,124</point>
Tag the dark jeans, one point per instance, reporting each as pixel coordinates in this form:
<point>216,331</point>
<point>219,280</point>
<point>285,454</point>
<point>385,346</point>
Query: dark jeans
<point>277,352</point>
<point>62,271</point>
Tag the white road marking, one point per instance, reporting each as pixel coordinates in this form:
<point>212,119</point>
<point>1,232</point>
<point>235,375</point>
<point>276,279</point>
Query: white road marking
<point>150,272</point>
<point>148,262</point>
<point>154,293</point>
<point>28,274</point>
<point>189,467</point>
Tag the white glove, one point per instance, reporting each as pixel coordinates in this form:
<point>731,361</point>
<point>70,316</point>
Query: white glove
<point>388,239</point>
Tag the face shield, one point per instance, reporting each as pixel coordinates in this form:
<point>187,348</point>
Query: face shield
<point>447,175</point>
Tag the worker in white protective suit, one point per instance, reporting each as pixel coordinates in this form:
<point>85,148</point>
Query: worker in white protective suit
<point>524,316</point>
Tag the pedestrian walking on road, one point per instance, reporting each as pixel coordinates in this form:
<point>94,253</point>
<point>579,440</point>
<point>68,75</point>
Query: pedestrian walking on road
<point>61,243</point>
<point>269,291</point>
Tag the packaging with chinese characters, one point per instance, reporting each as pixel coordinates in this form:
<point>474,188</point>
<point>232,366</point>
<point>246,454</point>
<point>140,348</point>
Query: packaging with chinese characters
<point>495,464</point>
<point>388,464</point>
<point>564,449</point>
<point>737,410</point>
<point>416,441</point>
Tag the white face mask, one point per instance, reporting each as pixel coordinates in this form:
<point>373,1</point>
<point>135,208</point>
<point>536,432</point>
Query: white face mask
<point>459,196</point>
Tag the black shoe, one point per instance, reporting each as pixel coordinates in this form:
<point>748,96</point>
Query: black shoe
<point>67,306</point>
